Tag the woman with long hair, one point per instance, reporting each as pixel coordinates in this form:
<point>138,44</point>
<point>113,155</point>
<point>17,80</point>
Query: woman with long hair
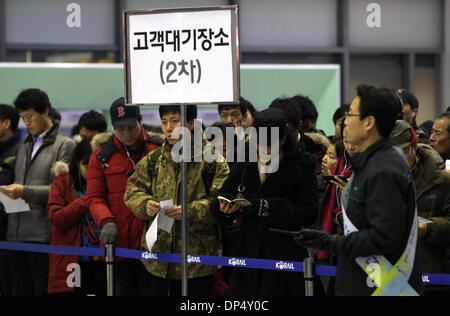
<point>72,225</point>
<point>283,195</point>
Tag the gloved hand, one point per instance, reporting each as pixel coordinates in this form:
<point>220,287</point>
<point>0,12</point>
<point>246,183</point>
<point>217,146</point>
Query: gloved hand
<point>259,207</point>
<point>315,239</point>
<point>108,235</point>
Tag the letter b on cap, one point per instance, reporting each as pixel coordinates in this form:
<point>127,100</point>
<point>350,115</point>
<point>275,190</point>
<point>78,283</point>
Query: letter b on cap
<point>120,111</point>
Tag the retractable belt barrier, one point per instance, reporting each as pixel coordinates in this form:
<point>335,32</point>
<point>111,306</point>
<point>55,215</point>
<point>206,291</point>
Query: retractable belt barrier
<point>249,263</point>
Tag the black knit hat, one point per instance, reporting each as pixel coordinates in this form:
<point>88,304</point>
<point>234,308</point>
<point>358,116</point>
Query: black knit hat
<point>271,117</point>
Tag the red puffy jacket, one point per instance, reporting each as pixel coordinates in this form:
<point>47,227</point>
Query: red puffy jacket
<point>65,210</point>
<point>106,184</point>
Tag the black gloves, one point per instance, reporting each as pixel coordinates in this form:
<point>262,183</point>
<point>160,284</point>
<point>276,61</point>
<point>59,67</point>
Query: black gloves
<point>260,207</point>
<point>314,239</point>
<point>108,236</point>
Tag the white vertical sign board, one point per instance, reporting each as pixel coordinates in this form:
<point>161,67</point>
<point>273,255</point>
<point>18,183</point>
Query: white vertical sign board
<point>182,56</point>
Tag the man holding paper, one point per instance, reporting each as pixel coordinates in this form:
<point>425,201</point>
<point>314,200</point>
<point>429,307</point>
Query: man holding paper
<point>154,194</point>
<point>43,146</point>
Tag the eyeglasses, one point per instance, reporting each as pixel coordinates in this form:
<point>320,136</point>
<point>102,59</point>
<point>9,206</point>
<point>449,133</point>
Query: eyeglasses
<point>347,114</point>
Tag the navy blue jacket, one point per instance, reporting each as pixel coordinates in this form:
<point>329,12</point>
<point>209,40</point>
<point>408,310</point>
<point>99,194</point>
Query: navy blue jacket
<point>381,204</point>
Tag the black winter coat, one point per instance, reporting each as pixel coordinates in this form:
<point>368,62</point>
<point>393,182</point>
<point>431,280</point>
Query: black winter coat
<point>293,202</point>
<point>381,204</point>
<point>8,153</point>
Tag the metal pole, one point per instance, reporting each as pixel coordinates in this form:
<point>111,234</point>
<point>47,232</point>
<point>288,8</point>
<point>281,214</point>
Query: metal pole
<point>309,273</point>
<point>184,265</point>
<point>110,259</point>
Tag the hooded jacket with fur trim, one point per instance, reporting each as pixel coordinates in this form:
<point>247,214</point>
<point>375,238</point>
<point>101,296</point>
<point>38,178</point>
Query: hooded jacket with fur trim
<point>106,184</point>
<point>65,211</point>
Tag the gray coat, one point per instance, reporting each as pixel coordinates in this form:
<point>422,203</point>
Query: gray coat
<point>35,175</point>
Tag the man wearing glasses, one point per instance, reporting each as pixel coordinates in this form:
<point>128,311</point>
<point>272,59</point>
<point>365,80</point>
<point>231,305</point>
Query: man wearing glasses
<point>380,228</point>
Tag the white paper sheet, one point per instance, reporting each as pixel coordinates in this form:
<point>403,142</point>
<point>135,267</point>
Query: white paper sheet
<point>152,234</point>
<point>161,221</point>
<point>13,206</point>
<point>165,222</point>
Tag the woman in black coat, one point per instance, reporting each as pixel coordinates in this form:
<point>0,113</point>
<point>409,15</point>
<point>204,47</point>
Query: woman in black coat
<point>286,199</point>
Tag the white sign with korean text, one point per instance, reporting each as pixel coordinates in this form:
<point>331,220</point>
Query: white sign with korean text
<point>182,56</point>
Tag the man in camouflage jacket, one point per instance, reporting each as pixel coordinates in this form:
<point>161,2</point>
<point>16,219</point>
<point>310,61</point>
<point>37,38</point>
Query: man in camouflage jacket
<point>158,178</point>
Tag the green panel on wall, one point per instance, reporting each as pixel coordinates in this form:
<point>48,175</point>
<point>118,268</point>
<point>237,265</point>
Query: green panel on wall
<point>75,86</point>
<point>68,86</point>
<point>262,84</point>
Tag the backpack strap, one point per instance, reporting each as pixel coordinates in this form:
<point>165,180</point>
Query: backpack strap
<point>107,150</point>
<point>155,140</point>
<point>208,174</point>
<point>153,159</point>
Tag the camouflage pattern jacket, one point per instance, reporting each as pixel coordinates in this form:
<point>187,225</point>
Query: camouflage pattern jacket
<point>203,234</point>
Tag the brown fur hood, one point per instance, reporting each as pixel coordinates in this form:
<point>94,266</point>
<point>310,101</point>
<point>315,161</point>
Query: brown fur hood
<point>59,167</point>
<point>99,139</point>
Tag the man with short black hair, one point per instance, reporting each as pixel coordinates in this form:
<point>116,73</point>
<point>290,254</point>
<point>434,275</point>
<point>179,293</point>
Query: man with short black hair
<point>91,123</point>
<point>338,120</point>
<point>309,114</point>
<point>239,117</point>
<point>410,113</point>
<point>114,158</point>
<point>292,111</point>
<point>379,207</point>
<point>9,145</point>
<point>157,179</point>
<point>235,114</point>
<point>43,146</point>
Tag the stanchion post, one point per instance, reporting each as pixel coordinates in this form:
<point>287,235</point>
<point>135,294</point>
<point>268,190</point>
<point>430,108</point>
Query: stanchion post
<point>309,268</point>
<point>184,263</point>
<point>110,260</point>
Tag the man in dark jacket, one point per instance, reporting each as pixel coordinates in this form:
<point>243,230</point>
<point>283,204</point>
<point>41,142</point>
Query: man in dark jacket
<point>432,184</point>
<point>9,144</point>
<point>379,207</point>
<point>109,168</point>
<point>41,149</point>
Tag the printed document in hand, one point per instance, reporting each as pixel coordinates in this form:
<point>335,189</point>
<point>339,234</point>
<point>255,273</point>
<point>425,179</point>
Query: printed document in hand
<point>161,221</point>
<point>13,206</point>
<point>165,222</point>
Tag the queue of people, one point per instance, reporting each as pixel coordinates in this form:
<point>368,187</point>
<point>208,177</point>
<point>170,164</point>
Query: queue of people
<point>343,197</point>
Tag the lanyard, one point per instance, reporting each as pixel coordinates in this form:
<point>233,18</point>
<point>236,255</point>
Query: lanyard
<point>390,280</point>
